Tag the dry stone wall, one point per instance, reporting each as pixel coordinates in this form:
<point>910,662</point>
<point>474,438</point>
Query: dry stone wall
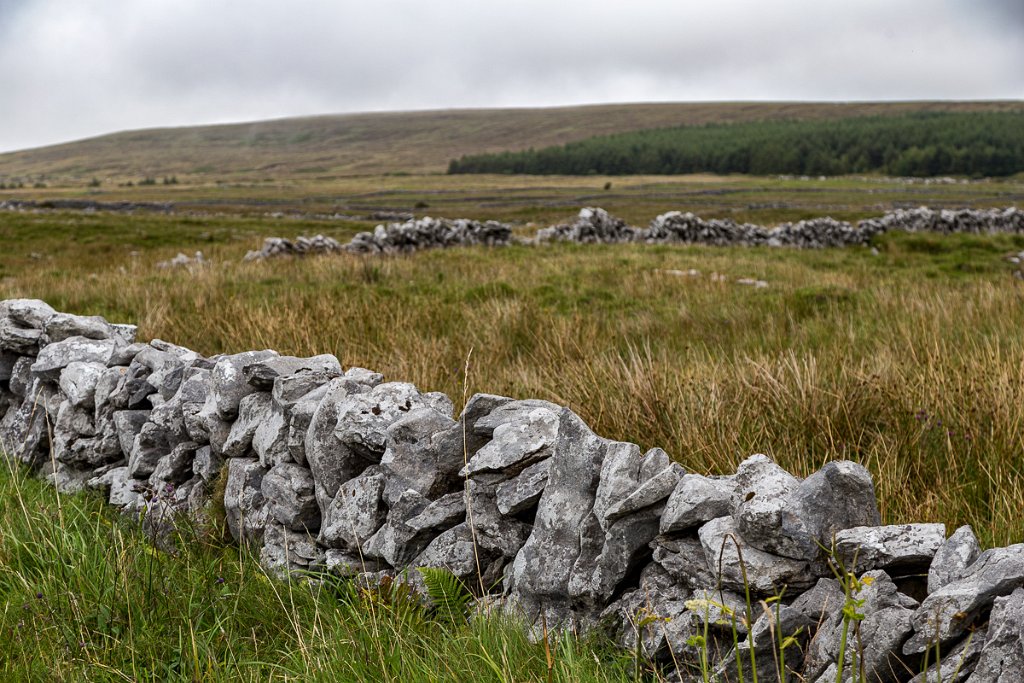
<point>597,226</point>
<point>335,470</point>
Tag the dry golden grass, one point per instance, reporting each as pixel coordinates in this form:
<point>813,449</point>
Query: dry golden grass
<point>911,362</point>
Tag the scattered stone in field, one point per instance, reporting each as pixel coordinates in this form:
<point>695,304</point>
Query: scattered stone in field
<point>190,263</point>
<point>750,282</point>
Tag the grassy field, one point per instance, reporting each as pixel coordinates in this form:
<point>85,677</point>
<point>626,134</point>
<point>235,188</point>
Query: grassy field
<point>87,598</point>
<point>909,360</point>
<point>313,148</point>
<point>522,200</point>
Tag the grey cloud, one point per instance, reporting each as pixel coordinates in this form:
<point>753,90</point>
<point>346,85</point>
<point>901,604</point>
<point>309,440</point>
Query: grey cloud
<point>75,68</point>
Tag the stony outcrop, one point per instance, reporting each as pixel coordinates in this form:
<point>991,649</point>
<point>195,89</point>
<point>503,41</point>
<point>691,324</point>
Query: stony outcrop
<point>330,470</point>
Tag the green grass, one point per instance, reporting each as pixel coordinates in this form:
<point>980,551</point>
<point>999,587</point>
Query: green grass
<point>87,598</point>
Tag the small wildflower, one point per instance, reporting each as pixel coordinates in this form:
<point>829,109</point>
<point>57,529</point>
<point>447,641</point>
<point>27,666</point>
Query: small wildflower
<point>39,596</point>
<point>220,580</point>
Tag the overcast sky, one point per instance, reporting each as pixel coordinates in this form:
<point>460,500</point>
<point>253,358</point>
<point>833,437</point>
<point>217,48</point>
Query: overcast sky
<point>76,68</point>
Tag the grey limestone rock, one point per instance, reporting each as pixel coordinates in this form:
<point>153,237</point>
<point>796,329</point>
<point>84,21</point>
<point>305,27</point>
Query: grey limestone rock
<point>7,361</point>
<point>364,418</point>
<point>60,326</point>
<point>17,339</point>
<point>697,499</point>
<point>522,491</point>
<point>149,446</point>
<point>904,547</point>
<point>78,382</point>
<point>617,535</point>
<point>457,551</point>
<point>412,523</point>
<point>879,635</point>
<point>227,382</point>
<point>253,410</point>
<point>288,489</point>
<point>290,389</point>
<point>952,558</point>
<point>950,611</point>
<point>124,355</point>
<point>838,496</point>
<point>522,433</point>
<point>960,662</point>
<point>29,313</point>
<point>262,373</point>
<point>287,551</point>
<point>55,357</point>
<point>65,478</point>
<point>301,415</point>
<point>129,425</point>
<point>207,464</point>
<point>244,504</point>
<point>21,375</point>
<point>539,578</point>
<point>270,440</point>
<point>766,574</point>
<point>363,376</point>
<point>424,453</point>
<point>653,489</point>
<point>24,430</point>
<point>654,620</point>
<point>1002,650</point>
<point>683,559</point>
<point>345,564</point>
<point>176,467</point>
<point>356,513</point>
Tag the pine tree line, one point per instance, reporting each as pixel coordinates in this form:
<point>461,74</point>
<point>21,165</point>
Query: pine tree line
<point>923,144</point>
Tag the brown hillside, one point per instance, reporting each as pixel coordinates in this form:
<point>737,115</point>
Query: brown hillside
<point>406,142</point>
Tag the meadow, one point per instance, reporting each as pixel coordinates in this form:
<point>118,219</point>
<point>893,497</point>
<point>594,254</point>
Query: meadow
<point>907,357</point>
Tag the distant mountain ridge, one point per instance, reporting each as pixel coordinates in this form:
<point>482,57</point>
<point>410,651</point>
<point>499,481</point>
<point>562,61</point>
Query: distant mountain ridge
<point>393,142</point>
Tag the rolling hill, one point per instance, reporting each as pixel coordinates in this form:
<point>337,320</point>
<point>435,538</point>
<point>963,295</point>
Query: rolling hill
<point>403,142</point>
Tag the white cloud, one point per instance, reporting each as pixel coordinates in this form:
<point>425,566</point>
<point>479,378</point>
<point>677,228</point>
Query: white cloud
<point>70,68</point>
